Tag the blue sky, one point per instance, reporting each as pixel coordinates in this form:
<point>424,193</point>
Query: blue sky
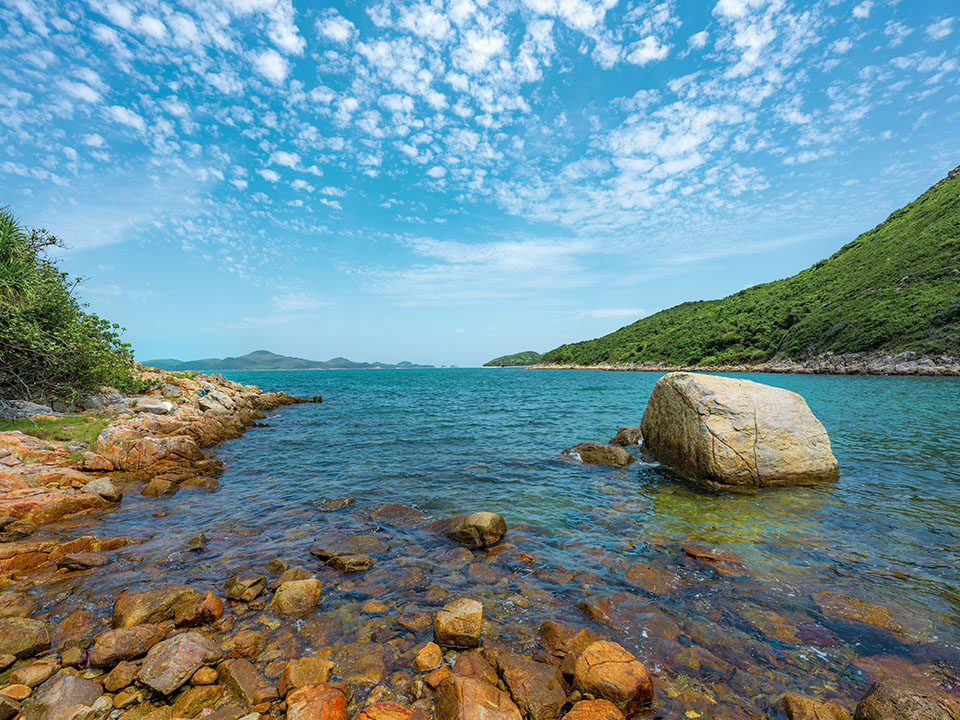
<point>448,181</point>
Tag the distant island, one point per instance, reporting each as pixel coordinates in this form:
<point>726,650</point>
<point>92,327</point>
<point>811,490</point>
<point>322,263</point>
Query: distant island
<point>265,360</point>
<point>520,359</point>
<point>893,292</point>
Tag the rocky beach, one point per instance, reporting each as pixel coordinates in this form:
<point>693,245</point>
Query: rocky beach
<point>383,611</point>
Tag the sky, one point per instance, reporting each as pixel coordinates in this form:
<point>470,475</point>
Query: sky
<point>447,181</point>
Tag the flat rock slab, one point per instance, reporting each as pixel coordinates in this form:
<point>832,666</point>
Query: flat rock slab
<point>348,545</point>
<point>23,637</point>
<point>169,664</point>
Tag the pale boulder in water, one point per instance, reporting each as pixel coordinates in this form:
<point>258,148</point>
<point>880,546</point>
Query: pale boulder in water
<point>730,433</point>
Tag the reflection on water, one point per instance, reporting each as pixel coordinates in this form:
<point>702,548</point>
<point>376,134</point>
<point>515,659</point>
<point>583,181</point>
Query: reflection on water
<point>593,546</point>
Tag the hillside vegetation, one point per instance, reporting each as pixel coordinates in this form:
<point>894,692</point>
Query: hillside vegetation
<point>894,288</point>
<point>266,360</point>
<point>51,348</point>
<point>520,359</point>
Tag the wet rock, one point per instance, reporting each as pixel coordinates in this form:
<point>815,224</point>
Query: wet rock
<point>606,670</point>
<point>59,697</point>
<point>845,608</point>
<point>243,681</point>
<point>891,699</point>
<point>435,678</point>
<point>205,676</point>
<point>350,563</point>
<point>386,710</point>
<point>297,597</point>
<point>103,487</point>
<point>536,688</point>
<point>198,542</point>
<point>170,663</point>
<point>374,607</point>
<point>34,674</point>
<point>194,700</point>
<point>159,486</point>
<point>562,639</point>
<point>16,692</point>
<point>594,710</point>
<point>245,589</point>
<point>349,545</point>
<point>594,453</point>
<point>278,566</point>
<point>652,579</point>
<point>82,561</point>
<point>336,504</point>
<point>723,561</point>
<point>201,482</point>
<point>6,660</point>
<point>122,675</point>
<point>14,604</point>
<point>304,671</point>
<point>396,514</point>
<point>428,657</point>
<point>245,644</point>
<point>473,665</point>
<point>475,531</point>
<point>127,643</point>
<point>203,610</point>
<point>462,698</point>
<point>627,436</point>
<point>772,625</point>
<point>150,606</point>
<point>727,432</point>
<point>317,702</point>
<point>415,622</point>
<point>23,637</point>
<point>289,574</point>
<point>796,707</point>
<point>9,708</point>
<point>459,624</point>
<point>74,657</point>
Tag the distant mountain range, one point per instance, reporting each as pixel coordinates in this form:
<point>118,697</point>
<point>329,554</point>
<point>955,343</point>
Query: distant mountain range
<point>520,359</point>
<point>265,360</point>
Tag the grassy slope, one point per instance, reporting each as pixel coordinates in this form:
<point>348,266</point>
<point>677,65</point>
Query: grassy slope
<point>894,288</point>
<point>528,357</point>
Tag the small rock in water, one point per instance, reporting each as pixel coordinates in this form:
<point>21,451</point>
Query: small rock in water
<point>336,504</point>
<point>349,545</point>
<point>397,514</point>
<point>607,670</point>
<point>460,698</point>
<point>322,701</point>
<point>297,597</point>
<point>169,664</point>
<point>459,624</point>
<point>428,657</point>
<point>594,453</point>
<point>350,563</point>
<point>197,542</point>
<point>245,589</point>
<point>476,531</point>
<point>158,487</point>
<point>277,565</point>
<point>82,561</point>
<point>317,399</point>
<point>290,574</point>
<point>796,707</point>
<point>627,436</point>
<point>304,671</point>
<point>104,488</point>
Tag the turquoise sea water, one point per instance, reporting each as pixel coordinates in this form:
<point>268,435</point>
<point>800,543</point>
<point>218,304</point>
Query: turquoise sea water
<point>454,441</point>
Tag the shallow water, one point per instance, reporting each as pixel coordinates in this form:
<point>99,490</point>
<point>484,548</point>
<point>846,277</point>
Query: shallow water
<point>452,441</point>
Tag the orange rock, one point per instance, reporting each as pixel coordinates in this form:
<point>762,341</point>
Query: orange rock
<point>317,702</point>
<point>594,710</point>
<point>803,708</point>
<point>652,579</point>
<point>460,698</point>
<point>436,677</point>
<point>428,657</point>
<point>385,711</point>
<point>17,692</point>
<point>607,670</point>
<point>204,610</point>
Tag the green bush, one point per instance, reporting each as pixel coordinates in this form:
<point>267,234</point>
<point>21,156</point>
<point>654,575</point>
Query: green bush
<point>50,347</point>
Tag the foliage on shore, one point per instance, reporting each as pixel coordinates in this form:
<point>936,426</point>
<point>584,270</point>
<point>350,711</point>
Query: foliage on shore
<point>528,357</point>
<point>895,288</point>
<point>51,348</point>
<point>74,429</point>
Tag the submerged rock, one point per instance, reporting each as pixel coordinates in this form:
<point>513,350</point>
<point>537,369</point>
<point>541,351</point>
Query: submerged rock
<point>323,701</point>
<point>103,487</point>
<point>796,707</point>
<point>304,671</point>
<point>350,563</point>
<point>900,700</point>
<point>475,531</point>
<point>731,433</point>
<point>297,597</point>
<point>348,545</point>
<point>594,453</point>
<point>397,514</point>
<point>245,589</point>
<point>627,436</point>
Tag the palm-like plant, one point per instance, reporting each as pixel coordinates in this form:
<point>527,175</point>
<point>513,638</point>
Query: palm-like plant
<point>16,263</point>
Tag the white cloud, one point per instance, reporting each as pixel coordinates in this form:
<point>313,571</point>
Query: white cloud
<point>940,30</point>
<point>698,41</point>
<point>335,27</point>
<point>647,50</point>
<point>125,116</point>
<point>436,172</point>
<point>80,90</point>
<point>272,65</point>
<point>298,302</point>
<point>287,159</point>
<point>269,175</point>
<point>152,27</point>
<point>862,11</point>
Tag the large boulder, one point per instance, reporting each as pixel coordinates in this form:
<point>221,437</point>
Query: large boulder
<point>23,637</point>
<point>113,646</point>
<point>607,670</point>
<point>892,699</point>
<point>731,433</point>
<point>459,624</point>
<point>476,531</point>
<point>169,664</point>
<point>463,698</point>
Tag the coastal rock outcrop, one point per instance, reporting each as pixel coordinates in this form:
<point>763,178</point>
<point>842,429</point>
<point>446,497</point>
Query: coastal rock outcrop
<point>732,433</point>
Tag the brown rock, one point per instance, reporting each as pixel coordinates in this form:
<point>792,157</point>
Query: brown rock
<point>627,436</point>
<point>349,545</point>
<point>536,688</point>
<point>728,432</point>
<point>170,663</point>
<point>95,463</point>
<point>58,697</point>
<point>723,561</point>
<point>473,665</point>
<point>17,691</point>
<point>606,670</point>
<point>594,710</point>
<point>396,514</point>
<point>796,707</point>
<point>385,711</point>
<point>245,589</point>
<point>120,677</point>
<point>317,702</point>
<point>374,607</point>
<point>297,597</point>
<point>125,699</point>
<point>304,671</point>
<point>9,708</point>
<point>16,605</point>
<point>433,679</point>
<point>159,486</point>
<point>204,610</point>
<point>23,637</point>
<point>845,608</point>
<point>150,606</point>
<point>562,639</point>
<point>205,676</point>
<point>594,453</point>
<point>652,579</point>
<point>33,674</point>
<point>245,644</point>
<point>428,657</point>
<point>6,660</point>
<point>194,700</point>
<point>82,561</point>
<point>350,563</point>
<point>127,643</point>
<point>898,700</point>
<point>75,657</point>
<point>461,698</point>
<point>242,680</point>
<point>289,574</point>
<point>475,531</point>
<point>459,624</point>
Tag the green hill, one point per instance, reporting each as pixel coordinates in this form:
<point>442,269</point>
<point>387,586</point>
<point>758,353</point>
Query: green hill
<point>265,360</point>
<point>528,357</point>
<point>894,288</point>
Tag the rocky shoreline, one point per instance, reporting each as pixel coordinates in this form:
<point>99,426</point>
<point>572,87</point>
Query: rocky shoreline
<point>169,649</point>
<point>906,363</point>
